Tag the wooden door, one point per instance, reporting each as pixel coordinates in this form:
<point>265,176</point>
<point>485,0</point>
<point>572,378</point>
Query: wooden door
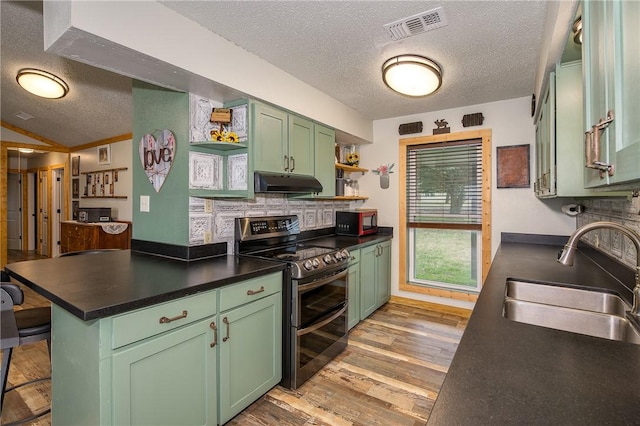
<point>57,210</point>
<point>14,211</point>
<point>44,232</point>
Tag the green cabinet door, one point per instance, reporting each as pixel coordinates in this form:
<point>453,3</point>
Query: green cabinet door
<point>383,273</point>
<point>250,345</point>
<point>368,270</point>
<point>353,279</point>
<point>626,150</point>
<point>167,380</point>
<point>269,138</point>
<point>325,172</point>
<point>611,68</point>
<point>300,146</point>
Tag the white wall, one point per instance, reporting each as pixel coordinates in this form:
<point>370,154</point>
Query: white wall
<point>121,209</point>
<point>512,209</point>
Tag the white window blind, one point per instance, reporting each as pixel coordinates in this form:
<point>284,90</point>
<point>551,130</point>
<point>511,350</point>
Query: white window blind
<point>444,185</point>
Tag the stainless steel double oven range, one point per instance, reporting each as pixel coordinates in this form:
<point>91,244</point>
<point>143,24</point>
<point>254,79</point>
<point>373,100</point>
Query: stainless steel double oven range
<point>315,292</point>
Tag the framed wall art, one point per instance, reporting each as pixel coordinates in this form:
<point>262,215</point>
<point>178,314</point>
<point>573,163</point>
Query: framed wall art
<point>104,154</point>
<point>75,188</point>
<point>75,166</point>
<point>513,166</point>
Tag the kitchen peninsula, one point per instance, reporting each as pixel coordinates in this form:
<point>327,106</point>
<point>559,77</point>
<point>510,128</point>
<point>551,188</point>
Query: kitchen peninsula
<point>128,324</point>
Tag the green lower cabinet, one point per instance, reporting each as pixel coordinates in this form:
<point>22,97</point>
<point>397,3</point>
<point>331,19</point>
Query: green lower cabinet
<point>168,380</point>
<point>375,277</point>
<point>368,293</point>
<point>250,345</point>
<point>353,278</point>
<point>197,360</point>
<point>383,274</point>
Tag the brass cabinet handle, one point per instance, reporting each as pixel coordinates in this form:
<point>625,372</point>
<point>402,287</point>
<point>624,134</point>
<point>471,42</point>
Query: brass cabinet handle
<point>293,160</point>
<point>286,163</point>
<point>226,321</point>
<point>165,320</point>
<point>252,292</point>
<point>215,334</point>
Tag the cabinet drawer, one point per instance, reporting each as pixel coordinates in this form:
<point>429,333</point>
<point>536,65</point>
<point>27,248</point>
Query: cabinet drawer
<point>355,256</point>
<point>250,290</point>
<point>147,322</point>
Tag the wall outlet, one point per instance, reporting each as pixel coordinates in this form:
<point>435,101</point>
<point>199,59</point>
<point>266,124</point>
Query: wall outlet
<point>144,203</point>
<point>208,206</point>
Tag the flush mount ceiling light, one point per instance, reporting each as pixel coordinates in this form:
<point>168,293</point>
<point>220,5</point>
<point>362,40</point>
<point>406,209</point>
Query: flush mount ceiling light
<point>577,31</point>
<point>42,83</point>
<point>25,150</point>
<point>412,75</point>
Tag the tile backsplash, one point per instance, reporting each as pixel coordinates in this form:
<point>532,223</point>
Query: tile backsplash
<point>613,243</point>
<point>212,221</point>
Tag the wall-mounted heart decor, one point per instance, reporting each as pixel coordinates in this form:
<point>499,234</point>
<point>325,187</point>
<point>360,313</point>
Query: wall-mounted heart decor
<point>157,151</point>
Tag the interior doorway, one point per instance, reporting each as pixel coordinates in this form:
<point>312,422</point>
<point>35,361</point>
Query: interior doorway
<point>14,211</point>
<point>44,205</point>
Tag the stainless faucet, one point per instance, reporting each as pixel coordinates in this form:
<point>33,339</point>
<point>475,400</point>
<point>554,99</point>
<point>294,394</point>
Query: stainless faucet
<point>567,254</point>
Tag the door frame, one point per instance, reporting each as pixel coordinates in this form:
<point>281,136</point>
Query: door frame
<point>24,188</point>
<point>49,170</point>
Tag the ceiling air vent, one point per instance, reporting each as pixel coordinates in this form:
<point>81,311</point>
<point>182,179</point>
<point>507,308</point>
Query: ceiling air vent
<point>417,24</point>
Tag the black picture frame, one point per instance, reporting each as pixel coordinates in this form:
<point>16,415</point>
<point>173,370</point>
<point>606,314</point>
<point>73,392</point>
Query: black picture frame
<point>75,208</point>
<point>75,188</point>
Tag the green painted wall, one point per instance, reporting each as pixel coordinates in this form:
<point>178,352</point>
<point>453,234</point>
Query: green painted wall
<point>154,109</point>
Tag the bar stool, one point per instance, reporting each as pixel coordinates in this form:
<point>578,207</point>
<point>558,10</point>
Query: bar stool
<point>20,327</point>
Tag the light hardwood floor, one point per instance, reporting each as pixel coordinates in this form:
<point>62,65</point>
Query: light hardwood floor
<point>390,373</point>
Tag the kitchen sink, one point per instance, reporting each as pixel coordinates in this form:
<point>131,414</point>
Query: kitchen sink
<point>587,299</point>
<point>584,311</point>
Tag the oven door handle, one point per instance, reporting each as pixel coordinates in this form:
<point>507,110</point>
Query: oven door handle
<point>322,323</point>
<point>302,288</point>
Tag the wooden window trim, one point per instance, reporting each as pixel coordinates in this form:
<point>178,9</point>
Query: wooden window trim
<point>485,135</point>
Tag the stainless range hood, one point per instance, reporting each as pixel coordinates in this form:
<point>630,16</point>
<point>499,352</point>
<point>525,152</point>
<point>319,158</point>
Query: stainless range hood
<point>283,183</point>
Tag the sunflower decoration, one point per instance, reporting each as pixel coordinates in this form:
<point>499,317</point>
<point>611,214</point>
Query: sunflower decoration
<point>353,158</point>
<point>217,136</point>
<point>232,137</point>
<point>224,136</point>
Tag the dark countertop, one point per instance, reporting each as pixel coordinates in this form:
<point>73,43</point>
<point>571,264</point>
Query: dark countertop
<point>343,241</point>
<point>505,372</point>
<point>101,285</point>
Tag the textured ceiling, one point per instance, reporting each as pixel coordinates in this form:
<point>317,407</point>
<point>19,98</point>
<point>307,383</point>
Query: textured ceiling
<point>489,51</point>
<point>98,105</point>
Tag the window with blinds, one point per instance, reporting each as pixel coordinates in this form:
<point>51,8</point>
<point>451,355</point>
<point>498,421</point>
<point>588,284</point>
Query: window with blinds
<point>444,185</point>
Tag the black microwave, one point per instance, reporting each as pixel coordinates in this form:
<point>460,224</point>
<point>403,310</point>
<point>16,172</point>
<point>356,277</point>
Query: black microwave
<point>357,222</point>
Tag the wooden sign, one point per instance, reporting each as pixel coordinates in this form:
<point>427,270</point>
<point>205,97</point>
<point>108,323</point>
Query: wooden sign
<point>221,115</point>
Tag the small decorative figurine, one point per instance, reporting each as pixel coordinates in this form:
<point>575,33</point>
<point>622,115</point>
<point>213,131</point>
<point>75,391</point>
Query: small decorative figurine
<point>442,127</point>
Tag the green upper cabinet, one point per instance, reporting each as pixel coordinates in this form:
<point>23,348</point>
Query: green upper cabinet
<point>611,54</point>
<point>301,143</point>
<point>325,141</point>
<point>544,184</point>
<point>283,143</point>
<point>269,138</point>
